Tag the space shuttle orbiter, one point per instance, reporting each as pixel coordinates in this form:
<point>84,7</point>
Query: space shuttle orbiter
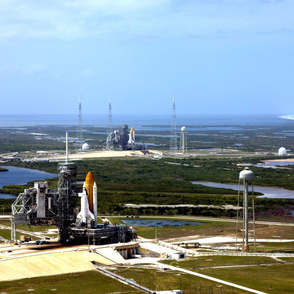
<point>88,211</point>
<point>131,136</point>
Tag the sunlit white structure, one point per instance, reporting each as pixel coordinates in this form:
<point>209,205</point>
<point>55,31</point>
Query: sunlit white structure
<point>282,151</point>
<point>131,140</point>
<point>85,147</point>
<point>88,211</point>
<point>183,140</point>
<point>245,179</point>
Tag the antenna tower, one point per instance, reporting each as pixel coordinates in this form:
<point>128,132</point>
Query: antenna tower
<point>173,136</point>
<point>80,126</point>
<point>109,127</point>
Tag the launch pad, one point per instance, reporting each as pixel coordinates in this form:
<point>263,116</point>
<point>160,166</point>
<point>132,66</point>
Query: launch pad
<point>42,205</point>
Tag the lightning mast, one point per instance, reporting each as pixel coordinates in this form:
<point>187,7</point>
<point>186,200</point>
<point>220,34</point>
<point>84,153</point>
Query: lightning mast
<point>80,126</point>
<point>173,136</point>
<point>109,128</point>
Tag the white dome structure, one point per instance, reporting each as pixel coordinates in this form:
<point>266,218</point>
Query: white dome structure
<point>282,151</point>
<point>85,147</point>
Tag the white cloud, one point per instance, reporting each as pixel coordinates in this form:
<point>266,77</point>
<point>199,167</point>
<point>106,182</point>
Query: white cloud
<point>77,19</point>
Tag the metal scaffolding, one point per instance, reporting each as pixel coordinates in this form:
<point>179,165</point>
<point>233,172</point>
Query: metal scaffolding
<point>173,136</point>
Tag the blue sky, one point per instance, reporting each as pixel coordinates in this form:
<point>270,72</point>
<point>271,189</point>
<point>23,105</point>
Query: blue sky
<point>218,57</point>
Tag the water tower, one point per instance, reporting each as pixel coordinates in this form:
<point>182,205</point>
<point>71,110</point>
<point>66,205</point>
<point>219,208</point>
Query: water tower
<point>183,140</point>
<point>245,179</point>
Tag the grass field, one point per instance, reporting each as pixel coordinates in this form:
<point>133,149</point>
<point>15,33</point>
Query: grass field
<point>276,277</point>
<point>94,282</point>
<point>77,283</point>
<point>5,234</point>
<point>212,261</point>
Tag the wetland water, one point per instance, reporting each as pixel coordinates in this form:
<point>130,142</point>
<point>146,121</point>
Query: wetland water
<point>267,192</point>
<point>20,176</point>
<point>159,223</point>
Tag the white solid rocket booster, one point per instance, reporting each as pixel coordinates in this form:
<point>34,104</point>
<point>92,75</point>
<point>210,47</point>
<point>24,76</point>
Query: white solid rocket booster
<point>95,202</point>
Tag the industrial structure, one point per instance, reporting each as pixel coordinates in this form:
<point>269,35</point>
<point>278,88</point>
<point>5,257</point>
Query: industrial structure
<point>282,151</point>
<point>80,137</point>
<point>109,127</point>
<point>173,136</point>
<point>42,205</point>
<point>123,140</point>
<point>245,178</point>
<point>183,140</point>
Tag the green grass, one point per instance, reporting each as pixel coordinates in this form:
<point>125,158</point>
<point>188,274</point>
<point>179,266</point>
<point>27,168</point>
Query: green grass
<point>5,234</point>
<point>168,280</point>
<point>30,228</point>
<point>274,275</point>
<point>76,283</point>
<point>276,247</point>
<point>287,259</point>
<point>275,279</point>
<point>212,261</point>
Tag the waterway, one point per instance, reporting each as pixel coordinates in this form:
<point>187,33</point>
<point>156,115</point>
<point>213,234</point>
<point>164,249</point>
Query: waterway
<point>20,176</point>
<point>158,223</point>
<point>267,192</point>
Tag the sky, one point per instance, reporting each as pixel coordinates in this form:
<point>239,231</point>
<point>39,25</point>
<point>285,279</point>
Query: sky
<point>218,57</point>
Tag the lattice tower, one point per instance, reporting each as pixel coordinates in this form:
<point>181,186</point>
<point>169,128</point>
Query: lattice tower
<point>109,127</point>
<point>80,127</point>
<point>173,136</point>
<point>67,199</point>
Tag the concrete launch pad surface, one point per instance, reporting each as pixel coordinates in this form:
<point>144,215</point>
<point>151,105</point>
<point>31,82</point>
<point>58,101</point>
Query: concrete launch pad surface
<point>94,154</point>
<point>56,263</point>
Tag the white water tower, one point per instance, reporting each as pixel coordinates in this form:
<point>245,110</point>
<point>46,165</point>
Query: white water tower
<point>183,140</point>
<point>245,179</point>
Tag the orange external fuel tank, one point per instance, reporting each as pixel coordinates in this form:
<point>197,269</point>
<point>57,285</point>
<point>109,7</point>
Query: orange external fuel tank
<point>89,183</point>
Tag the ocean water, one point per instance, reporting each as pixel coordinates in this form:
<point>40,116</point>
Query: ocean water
<point>140,121</point>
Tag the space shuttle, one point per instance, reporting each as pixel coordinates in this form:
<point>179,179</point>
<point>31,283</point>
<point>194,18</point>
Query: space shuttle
<point>88,211</point>
<point>131,136</point>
